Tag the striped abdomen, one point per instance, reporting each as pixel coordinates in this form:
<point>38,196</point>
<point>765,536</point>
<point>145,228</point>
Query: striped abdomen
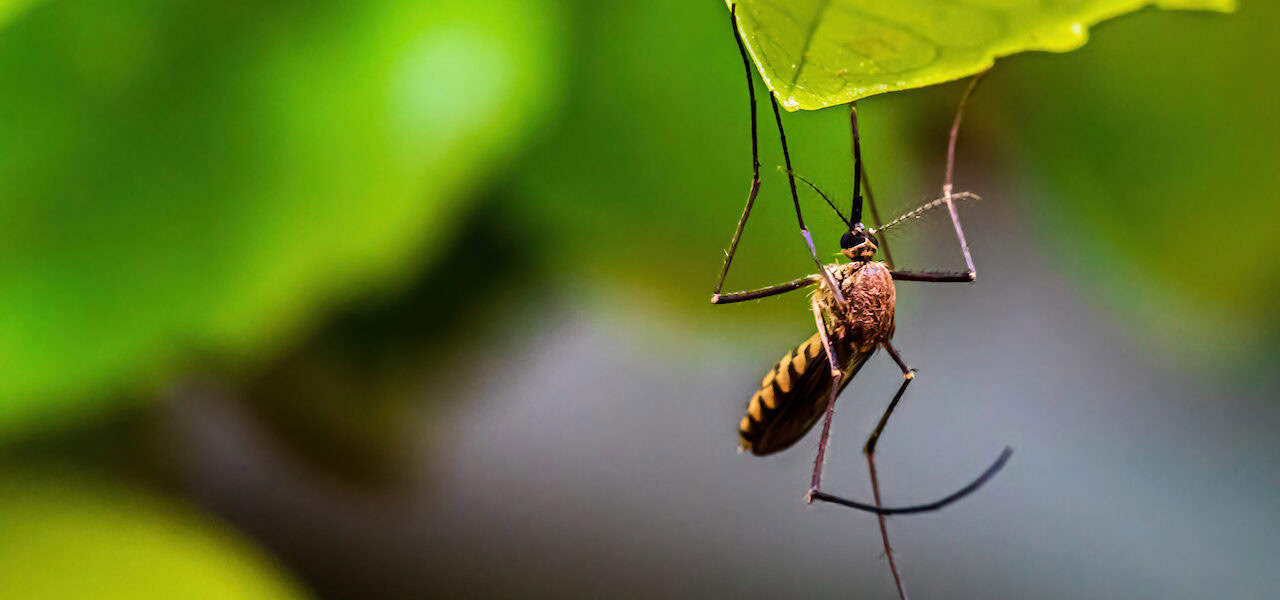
<point>794,394</point>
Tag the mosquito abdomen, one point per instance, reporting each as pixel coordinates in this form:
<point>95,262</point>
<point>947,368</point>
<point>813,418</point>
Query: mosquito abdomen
<point>791,398</point>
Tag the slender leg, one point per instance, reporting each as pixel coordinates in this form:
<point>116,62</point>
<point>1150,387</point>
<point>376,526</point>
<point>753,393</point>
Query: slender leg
<point>826,342</point>
<point>948,198</point>
<point>884,531</point>
<point>939,276</point>
<point>815,487</point>
<point>860,175</point>
<point>755,159</point>
<point>755,177</point>
<point>772,290</point>
<point>947,184</point>
<point>815,484</point>
<point>939,504</point>
<point>908,374</point>
<point>795,200</point>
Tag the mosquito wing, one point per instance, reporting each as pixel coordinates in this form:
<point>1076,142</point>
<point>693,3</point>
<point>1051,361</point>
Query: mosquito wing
<point>794,395</point>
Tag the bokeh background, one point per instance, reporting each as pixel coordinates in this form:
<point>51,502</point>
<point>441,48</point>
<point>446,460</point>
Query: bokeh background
<point>397,299</point>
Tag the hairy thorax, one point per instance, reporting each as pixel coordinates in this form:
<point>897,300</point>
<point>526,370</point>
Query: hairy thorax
<point>868,317</point>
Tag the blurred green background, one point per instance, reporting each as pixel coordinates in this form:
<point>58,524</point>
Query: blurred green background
<point>399,299</point>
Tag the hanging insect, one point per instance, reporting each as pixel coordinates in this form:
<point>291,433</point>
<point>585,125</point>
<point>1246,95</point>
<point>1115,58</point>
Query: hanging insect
<point>853,309</point>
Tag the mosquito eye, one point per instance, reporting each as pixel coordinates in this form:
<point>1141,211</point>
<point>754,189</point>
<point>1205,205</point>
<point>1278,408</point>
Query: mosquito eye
<point>848,240</point>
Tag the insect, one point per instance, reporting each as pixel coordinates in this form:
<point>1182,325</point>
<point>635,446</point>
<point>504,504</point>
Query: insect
<point>853,309</point>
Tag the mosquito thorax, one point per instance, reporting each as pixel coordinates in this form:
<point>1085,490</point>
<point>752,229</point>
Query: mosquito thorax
<point>858,244</point>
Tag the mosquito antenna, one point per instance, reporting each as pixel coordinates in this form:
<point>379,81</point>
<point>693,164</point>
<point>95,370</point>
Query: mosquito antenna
<point>847,222</point>
<point>855,211</point>
<point>919,211</point>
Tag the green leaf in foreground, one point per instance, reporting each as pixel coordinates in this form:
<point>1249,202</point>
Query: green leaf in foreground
<point>69,538</point>
<point>819,53</point>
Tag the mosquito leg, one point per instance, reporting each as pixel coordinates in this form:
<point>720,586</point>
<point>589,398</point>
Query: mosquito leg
<point>815,484</point>
<point>908,374</point>
<point>816,493</point>
<point>860,175</point>
<point>939,504</point>
<point>826,343</point>
<point>948,198</point>
<point>955,132</point>
<point>795,199</point>
<point>947,183</point>
<point>884,530</point>
<point>765,292</point>
<point>755,158</point>
<point>933,276</point>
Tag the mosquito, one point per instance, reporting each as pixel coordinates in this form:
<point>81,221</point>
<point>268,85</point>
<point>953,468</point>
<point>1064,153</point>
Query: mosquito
<point>853,309</point>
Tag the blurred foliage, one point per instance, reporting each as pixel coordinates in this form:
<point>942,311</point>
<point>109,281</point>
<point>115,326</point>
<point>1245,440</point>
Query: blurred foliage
<point>348,398</point>
<point>206,176</point>
<point>819,53</point>
<point>69,537</point>
<point>1157,187</point>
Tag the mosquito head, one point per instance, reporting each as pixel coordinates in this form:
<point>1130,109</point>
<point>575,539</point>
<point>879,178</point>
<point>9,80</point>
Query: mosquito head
<point>858,243</point>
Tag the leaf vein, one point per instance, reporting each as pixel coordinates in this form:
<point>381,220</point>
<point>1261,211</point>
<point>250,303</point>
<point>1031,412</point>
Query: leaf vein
<point>804,49</point>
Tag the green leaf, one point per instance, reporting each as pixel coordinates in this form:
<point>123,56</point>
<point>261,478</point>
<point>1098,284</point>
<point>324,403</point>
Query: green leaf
<point>68,538</point>
<point>203,178</point>
<point>12,8</point>
<point>819,53</point>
